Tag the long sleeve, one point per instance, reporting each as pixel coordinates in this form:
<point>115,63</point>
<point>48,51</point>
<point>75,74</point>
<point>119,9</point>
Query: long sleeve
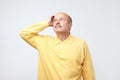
<point>88,71</point>
<point>30,34</point>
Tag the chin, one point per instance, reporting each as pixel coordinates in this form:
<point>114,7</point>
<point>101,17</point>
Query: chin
<point>57,31</point>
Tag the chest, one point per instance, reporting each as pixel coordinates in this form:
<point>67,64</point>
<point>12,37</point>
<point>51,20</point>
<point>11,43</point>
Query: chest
<point>67,51</point>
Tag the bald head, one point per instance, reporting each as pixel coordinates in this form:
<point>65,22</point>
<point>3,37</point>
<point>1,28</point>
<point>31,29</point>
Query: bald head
<point>65,14</point>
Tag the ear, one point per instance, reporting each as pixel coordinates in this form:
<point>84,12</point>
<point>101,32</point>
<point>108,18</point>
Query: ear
<point>70,26</point>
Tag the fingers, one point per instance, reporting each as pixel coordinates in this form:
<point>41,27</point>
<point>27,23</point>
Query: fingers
<point>51,21</point>
<point>52,18</point>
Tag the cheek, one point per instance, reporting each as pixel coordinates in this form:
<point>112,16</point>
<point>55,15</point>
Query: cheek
<point>63,24</point>
<point>66,26</point>
<point>53,24</point>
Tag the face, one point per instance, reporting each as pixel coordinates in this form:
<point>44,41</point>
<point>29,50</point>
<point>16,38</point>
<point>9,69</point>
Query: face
<point>61,23</point>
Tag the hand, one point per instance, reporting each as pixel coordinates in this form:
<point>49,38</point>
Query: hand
<point>50,21</point>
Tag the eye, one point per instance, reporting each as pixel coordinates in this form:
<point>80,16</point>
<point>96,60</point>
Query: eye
<point>54,20</point>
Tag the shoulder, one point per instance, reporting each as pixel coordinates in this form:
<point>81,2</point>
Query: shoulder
<point>81,43</point>
<point>77,39</point>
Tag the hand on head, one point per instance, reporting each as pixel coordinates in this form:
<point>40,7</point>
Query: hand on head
<point>50,21</point>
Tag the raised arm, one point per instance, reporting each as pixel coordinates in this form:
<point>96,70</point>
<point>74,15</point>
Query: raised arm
<point>30,34</point>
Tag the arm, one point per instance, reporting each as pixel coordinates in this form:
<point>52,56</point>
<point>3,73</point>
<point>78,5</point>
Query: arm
<point>88,71</point>
<point>30,34</point>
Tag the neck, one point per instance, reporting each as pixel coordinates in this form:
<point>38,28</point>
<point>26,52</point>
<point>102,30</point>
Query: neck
<point>63,36</point>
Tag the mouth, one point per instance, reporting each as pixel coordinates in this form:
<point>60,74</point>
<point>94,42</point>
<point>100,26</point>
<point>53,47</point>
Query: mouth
<point>58,26</point>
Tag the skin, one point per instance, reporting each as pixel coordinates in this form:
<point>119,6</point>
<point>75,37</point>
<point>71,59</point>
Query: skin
<point>61,24</point>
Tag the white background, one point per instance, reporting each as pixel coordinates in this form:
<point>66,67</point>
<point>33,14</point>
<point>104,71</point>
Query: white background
<point>96,21</point>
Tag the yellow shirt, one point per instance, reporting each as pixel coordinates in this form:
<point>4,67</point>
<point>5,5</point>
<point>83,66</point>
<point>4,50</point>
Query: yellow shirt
<point>59,60</point>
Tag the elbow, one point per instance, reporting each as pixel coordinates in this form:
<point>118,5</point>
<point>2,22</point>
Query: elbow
<point>22,34</point>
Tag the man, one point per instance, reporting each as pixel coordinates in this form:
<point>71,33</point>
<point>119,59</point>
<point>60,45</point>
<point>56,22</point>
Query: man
<point>64,57</point>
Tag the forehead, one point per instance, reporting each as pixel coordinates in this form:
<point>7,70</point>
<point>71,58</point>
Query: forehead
<point>61,15</point>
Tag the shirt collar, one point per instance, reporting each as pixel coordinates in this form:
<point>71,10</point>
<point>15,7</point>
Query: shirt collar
<point>68,40</point>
